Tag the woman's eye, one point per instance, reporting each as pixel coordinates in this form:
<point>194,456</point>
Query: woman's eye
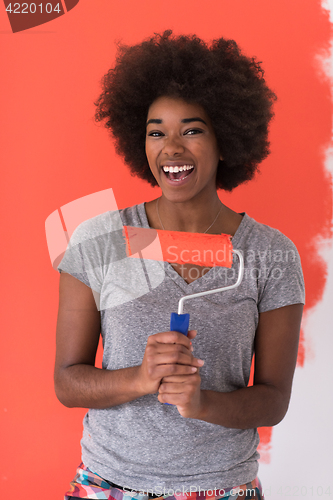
<point>154,133</point>
<point>193,131</point>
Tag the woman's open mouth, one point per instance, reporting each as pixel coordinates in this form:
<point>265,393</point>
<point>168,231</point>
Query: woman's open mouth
<point>177,173</point>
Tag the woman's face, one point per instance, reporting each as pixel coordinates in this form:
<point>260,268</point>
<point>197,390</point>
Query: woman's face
<point>181,149</point>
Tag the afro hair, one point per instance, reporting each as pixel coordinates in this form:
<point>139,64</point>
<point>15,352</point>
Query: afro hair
<point>228,85</point>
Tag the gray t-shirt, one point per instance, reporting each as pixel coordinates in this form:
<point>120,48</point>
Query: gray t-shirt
<point>144,444</point>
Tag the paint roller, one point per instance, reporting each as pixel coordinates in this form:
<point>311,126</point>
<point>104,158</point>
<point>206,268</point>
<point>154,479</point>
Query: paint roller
<point>201,249</point>
<point>179,321</point>
<point>184,248</point>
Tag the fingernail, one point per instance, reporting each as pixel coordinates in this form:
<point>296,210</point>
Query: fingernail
<point>193,369</point>
<point>201,362</point>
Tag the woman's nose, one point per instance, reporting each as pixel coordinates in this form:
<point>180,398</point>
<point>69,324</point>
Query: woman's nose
<point>173,145</point>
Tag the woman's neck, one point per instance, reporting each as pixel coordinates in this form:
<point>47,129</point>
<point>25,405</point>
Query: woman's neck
<point>192,217</point>
<point>188,216</point>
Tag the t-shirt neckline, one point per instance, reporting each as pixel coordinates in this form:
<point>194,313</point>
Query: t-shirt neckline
<point>141,210</point>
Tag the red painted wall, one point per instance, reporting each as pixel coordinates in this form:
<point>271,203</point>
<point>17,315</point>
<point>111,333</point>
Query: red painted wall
<point>53,153</point>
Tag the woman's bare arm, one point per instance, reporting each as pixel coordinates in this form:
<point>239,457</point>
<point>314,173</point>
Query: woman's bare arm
<point>263,404</point>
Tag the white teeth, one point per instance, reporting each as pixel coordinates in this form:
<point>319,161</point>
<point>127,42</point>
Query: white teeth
<point>177,169</point>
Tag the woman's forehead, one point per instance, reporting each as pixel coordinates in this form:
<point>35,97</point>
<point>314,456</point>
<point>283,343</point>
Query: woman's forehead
<point>166,107</point>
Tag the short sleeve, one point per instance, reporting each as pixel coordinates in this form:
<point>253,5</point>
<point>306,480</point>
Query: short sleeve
<point>73,264</point>
<point>90,249</point>
<point>97,255</point>
<point>281,282</point>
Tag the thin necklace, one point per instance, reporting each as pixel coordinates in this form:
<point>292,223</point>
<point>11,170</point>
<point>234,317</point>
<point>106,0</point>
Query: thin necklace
<point>159,218</point>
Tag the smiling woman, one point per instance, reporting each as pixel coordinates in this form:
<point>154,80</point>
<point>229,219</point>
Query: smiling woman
<point>198,119</point>
<point>182,151</point>
<point>229,86</point>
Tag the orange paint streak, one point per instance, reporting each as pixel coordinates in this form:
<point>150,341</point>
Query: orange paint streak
<point>180,247</point>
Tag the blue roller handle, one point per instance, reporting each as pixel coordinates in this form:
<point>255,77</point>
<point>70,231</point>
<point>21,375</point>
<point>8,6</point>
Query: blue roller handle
<point>179,323</point>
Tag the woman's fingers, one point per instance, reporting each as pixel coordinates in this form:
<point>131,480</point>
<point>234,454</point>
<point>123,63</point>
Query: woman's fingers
<point>170,338</point>
<point>162,371</point>
<point>167,353</point>
<point>178,379</point>
<point>174,358</point>
<point>165,348</point>
<point>184,392</point>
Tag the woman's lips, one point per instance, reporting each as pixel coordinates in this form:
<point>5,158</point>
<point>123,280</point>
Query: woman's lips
<point>177,174</point>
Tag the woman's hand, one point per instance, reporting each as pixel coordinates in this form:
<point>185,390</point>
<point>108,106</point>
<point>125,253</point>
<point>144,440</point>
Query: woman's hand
<point>167,354</point>
<point>184,392</point>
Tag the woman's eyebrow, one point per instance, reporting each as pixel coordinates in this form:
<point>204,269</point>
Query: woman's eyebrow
<point>185,120</point>
<point>196,119</point>
<point>153,120</point>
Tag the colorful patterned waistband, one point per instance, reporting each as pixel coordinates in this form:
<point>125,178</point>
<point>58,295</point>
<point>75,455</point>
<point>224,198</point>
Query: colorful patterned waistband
<point>86,484</point>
